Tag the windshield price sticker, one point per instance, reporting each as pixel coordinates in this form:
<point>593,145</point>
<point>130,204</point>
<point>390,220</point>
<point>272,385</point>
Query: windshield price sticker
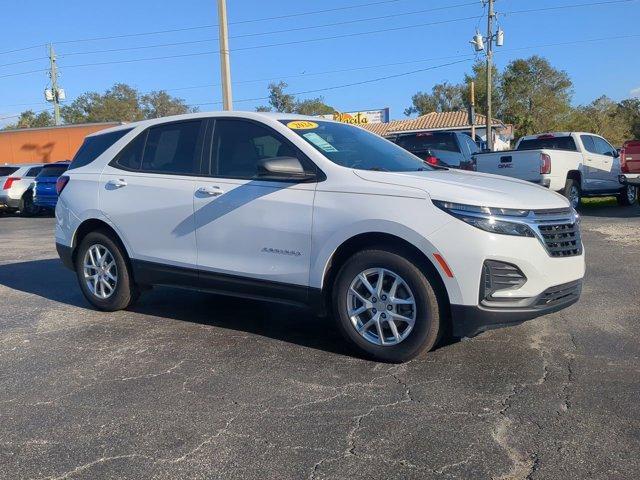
<point>302,125</point>
<point>320,142</point>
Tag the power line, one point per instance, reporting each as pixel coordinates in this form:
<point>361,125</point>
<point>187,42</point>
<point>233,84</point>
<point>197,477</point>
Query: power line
<point>239,22</point>
<point>294,42</point>
<point>23,49</point>
<point>326,72</point>
<point>23,61</point>
<point>272,32</point>
<point>345,85</point>
<point>20,114</point>
<point>23,73</point>
<point>561,7</point>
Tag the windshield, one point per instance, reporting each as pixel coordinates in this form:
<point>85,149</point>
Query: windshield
<point>429,141</point>
<point>354,147</point>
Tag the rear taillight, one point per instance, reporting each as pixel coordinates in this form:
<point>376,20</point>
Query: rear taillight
<point>545,164</point>
<point>431,160</point>
<point>9,181</point>
<point>623,161</point>
<point>61,183</point>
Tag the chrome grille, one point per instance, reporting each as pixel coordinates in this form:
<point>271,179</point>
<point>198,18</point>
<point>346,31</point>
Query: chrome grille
<point>559,231</point>
<point>562,240</point>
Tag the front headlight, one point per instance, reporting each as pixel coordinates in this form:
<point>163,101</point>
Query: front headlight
<point>488,219</point>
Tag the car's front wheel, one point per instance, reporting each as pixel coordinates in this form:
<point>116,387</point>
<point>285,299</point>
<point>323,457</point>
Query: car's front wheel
<point>103,272</point>
<point>386,306</point>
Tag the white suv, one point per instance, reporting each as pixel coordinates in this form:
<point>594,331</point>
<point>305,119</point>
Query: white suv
<point>307,211</point>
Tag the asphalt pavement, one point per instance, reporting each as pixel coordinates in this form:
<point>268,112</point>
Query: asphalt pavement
<point>193,385</point>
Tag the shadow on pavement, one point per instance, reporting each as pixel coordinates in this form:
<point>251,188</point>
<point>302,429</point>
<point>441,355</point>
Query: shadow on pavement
<point>49,279</point>
<point>613,211</point>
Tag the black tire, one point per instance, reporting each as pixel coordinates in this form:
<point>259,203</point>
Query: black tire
<point>125,292</point>
<point>628,195</point>
<point>27,207</point>
<point>427,328</point>
<point>571,190</point>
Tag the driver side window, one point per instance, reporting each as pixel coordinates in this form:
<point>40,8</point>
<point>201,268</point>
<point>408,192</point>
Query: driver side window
<point>239,147</point>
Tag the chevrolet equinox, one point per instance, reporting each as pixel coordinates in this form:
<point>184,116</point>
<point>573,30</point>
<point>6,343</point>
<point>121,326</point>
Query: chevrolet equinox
<point>309,211</point>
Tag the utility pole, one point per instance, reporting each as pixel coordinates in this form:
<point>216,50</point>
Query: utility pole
<point>478,43</point>
<point>489,65</point>
<point>472,117</point>
<point>55,94</point>
<point>225,68</point>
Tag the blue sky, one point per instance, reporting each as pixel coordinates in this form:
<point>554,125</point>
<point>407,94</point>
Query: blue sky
<point>601,67</point>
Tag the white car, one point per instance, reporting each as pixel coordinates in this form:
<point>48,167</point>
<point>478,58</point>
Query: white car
<point>15,183</point>
<point>308,211</point>
<point>577,164</point>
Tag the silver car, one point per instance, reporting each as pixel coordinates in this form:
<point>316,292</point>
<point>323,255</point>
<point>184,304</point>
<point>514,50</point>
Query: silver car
<point>15,191</point>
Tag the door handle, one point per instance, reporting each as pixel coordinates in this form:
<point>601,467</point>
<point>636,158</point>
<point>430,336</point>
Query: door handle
<point>119,183</point>
<point>210,191</point>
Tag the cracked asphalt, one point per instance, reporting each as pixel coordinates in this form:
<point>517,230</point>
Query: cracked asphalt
<point>191,385</point>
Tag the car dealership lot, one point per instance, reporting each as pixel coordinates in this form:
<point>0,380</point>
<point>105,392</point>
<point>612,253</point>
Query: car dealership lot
<point>192,385</point>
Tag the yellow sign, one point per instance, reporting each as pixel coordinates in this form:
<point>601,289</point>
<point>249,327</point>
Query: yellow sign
<point>302,125</point>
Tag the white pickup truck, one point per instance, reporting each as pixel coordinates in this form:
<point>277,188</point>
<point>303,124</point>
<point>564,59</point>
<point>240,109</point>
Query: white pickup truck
<point>576,164</point>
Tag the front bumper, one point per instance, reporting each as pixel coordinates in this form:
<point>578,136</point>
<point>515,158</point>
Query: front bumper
<point>630,179</point>
<point>66,255</point>
<point>470,320</point>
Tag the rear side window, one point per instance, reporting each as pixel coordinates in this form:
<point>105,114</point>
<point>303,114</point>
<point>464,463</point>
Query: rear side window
<point>94,146</point>
<point>33,171</point>
<point>130,157</point>
<point>551,143</point>
<point>174,148</point>
<point>6,171</point>
<point>429,141</point>
<point>52,170</point>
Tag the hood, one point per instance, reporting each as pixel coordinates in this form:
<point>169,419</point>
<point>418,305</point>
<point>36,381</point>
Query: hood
<point>472,188</point>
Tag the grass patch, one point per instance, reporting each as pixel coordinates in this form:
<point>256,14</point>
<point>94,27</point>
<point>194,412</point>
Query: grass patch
<point>598,202</point>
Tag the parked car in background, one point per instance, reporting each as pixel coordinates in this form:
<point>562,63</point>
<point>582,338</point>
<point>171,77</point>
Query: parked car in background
<point>300,210</point>
<point>443,149</point>
<point>15,193</point>
<point>576,164</point>
<point>630,163</point>
<point>44,188</point>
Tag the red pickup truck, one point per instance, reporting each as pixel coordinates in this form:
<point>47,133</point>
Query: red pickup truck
<point>630,163</point>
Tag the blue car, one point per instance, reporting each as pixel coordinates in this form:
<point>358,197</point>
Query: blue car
<point>44,188</point>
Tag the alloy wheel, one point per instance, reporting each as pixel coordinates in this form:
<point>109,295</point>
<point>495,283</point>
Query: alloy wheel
<point>100,271</point>
<point>381,306</point>
<point>574,196</point>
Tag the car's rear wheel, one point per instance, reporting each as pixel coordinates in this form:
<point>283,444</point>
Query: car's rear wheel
<point>628,195</point>
<point>27,207</point>
<point>386,306</point>
<point>572,192</point>
<point>103,272</point>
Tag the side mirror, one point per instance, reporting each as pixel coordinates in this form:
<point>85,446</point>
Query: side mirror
<point>283,169</point>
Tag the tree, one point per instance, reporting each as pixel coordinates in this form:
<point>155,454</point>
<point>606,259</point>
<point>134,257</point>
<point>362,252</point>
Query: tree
<point>602,117</point>
<point>444,97</point>
<point>160,104</point>
<point>629,109</point>
<point>535,96</point>
<point>479,77</point>
<point>122,103</point>
<point>30,119</point>
<point>283,102</point>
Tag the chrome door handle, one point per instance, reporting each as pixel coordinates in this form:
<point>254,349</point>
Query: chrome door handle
<point>119,183</point>
<point>210,191</point>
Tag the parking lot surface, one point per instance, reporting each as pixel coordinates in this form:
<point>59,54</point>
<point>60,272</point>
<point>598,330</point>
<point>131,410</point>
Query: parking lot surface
<point>192,385</point>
